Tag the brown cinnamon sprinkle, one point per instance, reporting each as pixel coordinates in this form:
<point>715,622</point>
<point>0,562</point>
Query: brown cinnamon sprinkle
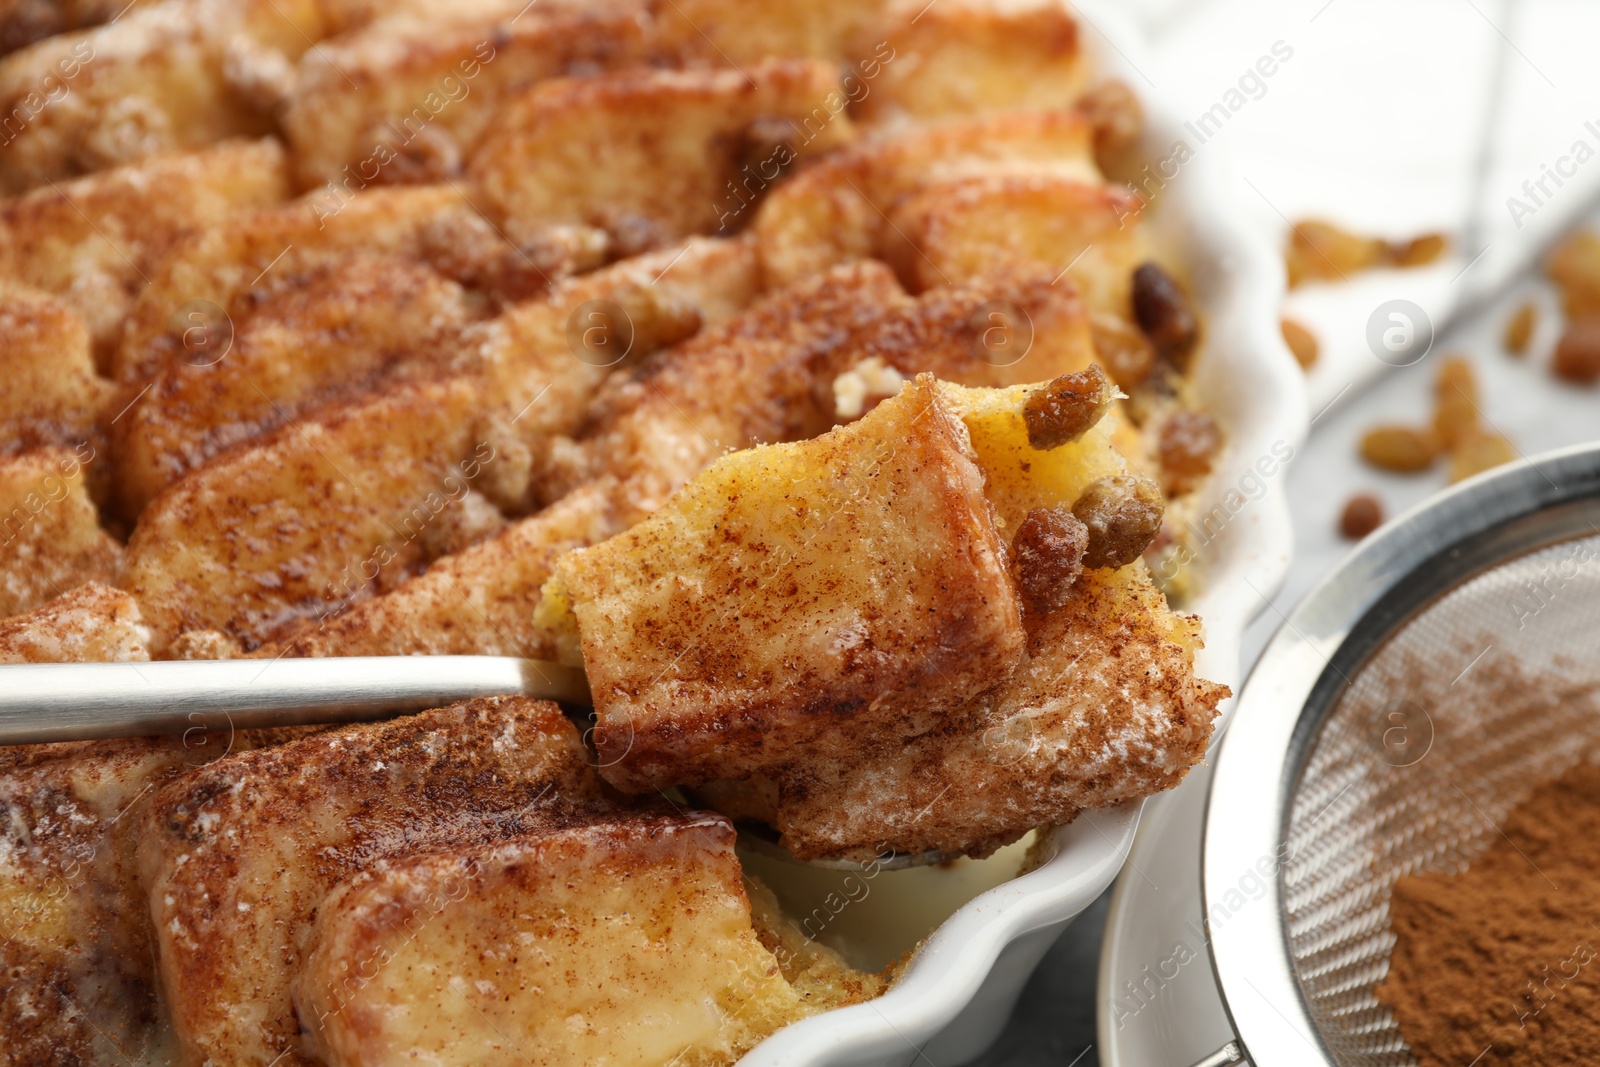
<point>1497,964</point>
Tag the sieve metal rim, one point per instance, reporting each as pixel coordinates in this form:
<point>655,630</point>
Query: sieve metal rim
<point>1340,621</point>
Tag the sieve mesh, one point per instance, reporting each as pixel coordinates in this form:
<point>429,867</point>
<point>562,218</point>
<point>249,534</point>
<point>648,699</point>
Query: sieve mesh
<point>1454,720</point>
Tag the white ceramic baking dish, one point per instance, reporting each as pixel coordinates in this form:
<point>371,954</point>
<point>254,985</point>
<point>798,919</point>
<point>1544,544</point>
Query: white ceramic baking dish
<point>960,987</point>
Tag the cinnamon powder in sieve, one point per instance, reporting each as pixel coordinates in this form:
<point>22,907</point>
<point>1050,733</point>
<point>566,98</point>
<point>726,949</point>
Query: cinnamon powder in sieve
<point>1498,964</point>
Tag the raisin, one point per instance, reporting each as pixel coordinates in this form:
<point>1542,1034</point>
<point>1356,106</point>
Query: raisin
<point>1478,453</point>
<point>1061,411</point>
<point>1575,268</point>
<point>1419,251</point>
<point>1519,329</point>
<point>1399,448</point>
<point>1577,356</point>
<point>1362,514</point>
<point>1301,341</point>
<point>1124,351</point>
<point>1455,413</point>
<point>1164,313</point>
<point>1189,443</point>
<point>1048,556</point>
<point>1322,250</point>
<point>1123,515</point>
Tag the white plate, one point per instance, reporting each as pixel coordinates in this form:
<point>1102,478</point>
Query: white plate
<point>957,994</point>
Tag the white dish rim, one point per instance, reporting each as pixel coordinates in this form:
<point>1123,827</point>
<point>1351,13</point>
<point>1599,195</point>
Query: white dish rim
<point>1245,344</point>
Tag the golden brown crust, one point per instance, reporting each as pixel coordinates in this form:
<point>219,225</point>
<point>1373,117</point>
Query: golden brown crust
<point>238,856</point>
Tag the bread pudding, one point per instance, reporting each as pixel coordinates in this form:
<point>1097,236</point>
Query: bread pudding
<point>807,375</point>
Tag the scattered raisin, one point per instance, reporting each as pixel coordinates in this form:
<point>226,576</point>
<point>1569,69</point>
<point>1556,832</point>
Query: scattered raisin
<point>1165,315</point>
<point>1061,411</point>
<point>1117,119</point>
<point>1399,448</point>
<point>1577,356</point>
<point>1519,329</point>
<point>1301,341</point>
<point>1189,443</point>
<point>1455,413</point>
<point>1123,515</point>
<point>1322,250</point>
<point>1575,268</point>
<point>1419,251</point>
<point>1478,452</point>
<point>1048,556</point>
<point>1123,350</point>
<point>1362,514</point>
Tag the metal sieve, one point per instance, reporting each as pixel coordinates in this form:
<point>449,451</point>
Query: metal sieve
<point>1410,702</point>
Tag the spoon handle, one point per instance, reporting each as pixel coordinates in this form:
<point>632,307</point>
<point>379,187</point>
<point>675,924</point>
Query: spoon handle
<point>81,701</point>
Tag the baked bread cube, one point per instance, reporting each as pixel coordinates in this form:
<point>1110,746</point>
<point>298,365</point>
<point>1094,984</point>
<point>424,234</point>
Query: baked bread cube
<point>314,516</point>
<point>627,940</point>
<point>305,339</point>
<point>239,856</point>
<point>721,32</point>
<point>406,97</point>
<point>50,534</point>
<point>795,600</point>
<point>1105,706</point>
<point>950,232</point>
<point>1010,327</point>
<point>94,241</point>
<point>653,156</point>
<point>965,58</point>
<point>747,381</point>
<point>77,952</point>
<point>49,392</point>
<point>170,76</point>
<point>217,270</point>
<point>840,207</point>
<point>93,623</point>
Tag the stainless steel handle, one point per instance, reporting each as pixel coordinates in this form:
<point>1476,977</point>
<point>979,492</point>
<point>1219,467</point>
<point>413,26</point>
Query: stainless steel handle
<point>75,702</point>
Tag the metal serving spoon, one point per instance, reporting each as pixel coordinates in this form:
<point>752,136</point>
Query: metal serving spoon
<point>47,702</point>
